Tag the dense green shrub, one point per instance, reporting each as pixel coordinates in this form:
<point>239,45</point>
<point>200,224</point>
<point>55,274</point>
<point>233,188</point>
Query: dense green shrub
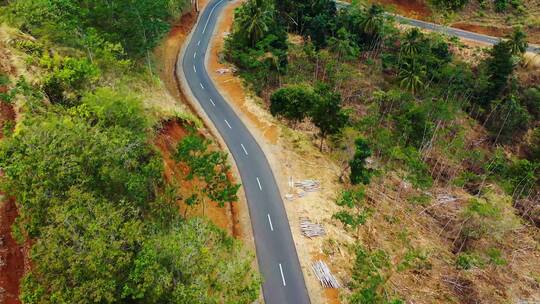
<point>136,25</point>
<point>360,174</point>
<point>293,102</point>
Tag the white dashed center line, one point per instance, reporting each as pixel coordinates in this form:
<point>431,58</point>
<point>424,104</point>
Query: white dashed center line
<point>212,102</point>
<point>228,125</point>
<point>199,43</point>
<point>202,87</point>
<point>270,222</point>
<point>194,69</point>
<point>259,182</point>
<point>282,276</point>
<point>244,148</point>
<point>194,55</point>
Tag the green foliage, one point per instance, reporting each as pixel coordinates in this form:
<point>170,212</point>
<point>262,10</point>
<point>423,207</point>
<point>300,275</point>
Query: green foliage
<point>106,108</point>
<point>414,259</point>
<point>498,68</point>
<point>327,113</point>
<point>518,41</point>
<point>355,214</point>
<point>66,77</point>
<point>192,262</point>
<point>517,177</point>
<point>258,44</point>
<point>359,172</point>
<point>531,100</point>
<point>369,276</point>
<point>417,170</point>
<point>63,151</point>
<point>209,169</point>
<point>534,145</point>
<point>136,25</point>
<point>313,18</point>
<point>292,102</point>
<point>451,4</point>
<point>84,253</point>
<point>495,257</point>
<point>508,118</point>
<point>468,261</point>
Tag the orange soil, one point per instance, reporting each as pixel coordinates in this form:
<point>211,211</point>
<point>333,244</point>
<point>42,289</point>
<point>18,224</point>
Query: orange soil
<point>169,136</point>
<point>11,254</point>
<point>411,8</point>
<point>331,294</point>
<point>230,85</point>
<point>169,49</point>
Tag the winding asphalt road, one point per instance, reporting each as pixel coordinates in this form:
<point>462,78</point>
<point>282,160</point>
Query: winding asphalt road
<point>451,31</point>
<point>276,253</point>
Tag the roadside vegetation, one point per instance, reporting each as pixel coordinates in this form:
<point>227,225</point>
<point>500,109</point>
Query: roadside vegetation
<point>454,140</point>
<point>102,222</point>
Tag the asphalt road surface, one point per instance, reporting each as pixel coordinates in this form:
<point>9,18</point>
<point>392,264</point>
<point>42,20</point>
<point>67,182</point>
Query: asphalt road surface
<point>276,253</point>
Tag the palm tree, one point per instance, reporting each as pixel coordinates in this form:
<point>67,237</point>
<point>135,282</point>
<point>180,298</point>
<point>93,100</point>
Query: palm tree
<point>411,43</point>
<point>412,76</point>
<point>373,21</point>
<point>254,19</point>
<point>518,41</point>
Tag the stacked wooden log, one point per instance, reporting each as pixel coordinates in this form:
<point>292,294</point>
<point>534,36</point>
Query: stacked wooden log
<point>310,229</point>
<point>323,274</point>
<point>308,185</point>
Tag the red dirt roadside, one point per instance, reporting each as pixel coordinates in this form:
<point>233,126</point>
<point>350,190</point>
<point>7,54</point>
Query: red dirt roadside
<point>11,255</point>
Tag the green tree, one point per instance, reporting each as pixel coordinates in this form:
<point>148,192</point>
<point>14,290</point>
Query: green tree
<point>518,41</point>
<point>499,67</point>
<point>412,76</point>
<point>355,214</point>
<point>327,113</point>
<point>253,20</point>
<point>84,253</point>
<point>292,102</point>
<point>193,262</point>
<point>208,169</point>
<point>360,174</point>
<point>373,21</point>
<point>65,151</point>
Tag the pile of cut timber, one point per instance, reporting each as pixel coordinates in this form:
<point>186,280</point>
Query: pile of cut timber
<point>308,185</point>
<point>310,229</point>
<point>322,272</point>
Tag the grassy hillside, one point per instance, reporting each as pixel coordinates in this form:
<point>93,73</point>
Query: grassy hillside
<point>437,143</point>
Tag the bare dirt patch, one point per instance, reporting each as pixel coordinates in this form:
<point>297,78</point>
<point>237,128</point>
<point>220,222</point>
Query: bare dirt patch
<point>11,255</point>
<point>417,9</point>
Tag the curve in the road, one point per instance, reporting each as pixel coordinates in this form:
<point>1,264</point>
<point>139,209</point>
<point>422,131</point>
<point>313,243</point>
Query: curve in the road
<point>448,30</point>
<point>283,281</point>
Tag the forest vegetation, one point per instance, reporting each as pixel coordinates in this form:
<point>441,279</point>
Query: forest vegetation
<point>102,222</point>
<point>396,105</point>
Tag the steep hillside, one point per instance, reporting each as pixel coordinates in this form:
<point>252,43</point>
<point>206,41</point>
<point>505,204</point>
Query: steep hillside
<point>427,148</point>
<point>109,181</point>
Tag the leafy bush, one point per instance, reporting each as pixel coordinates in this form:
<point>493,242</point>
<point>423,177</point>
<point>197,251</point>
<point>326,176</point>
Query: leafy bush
<point>359,172</point>
<point>417,170</point>
<point>468,261</point>
<point>136,25</point>
<point>370,273</point>
<point>292,102</point>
